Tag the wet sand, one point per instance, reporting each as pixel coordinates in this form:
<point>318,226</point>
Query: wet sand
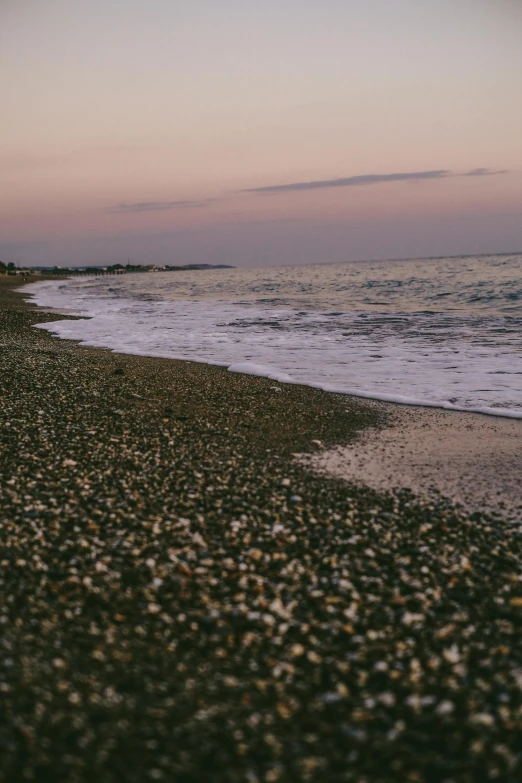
<point>471,459</point>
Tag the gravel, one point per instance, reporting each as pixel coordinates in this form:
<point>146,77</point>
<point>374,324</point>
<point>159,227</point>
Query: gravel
<point>181,601</point>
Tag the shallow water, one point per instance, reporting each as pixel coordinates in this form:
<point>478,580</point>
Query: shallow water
<point>442,332</point>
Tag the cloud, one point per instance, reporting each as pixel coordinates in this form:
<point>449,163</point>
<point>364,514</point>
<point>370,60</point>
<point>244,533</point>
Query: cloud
<point>368,179</point>
<point>351,182</point>
<point>158,206</point>
<point>343,182</point>
<point>484,172</point>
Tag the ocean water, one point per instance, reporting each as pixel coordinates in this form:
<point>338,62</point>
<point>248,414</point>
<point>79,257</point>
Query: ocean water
<point>441,332</point>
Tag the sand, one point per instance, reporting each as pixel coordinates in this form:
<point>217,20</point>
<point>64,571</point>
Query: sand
<point>471,459</point>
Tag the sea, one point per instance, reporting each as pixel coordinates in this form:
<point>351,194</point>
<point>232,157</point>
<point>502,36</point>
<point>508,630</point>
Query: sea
<point>442,332</point>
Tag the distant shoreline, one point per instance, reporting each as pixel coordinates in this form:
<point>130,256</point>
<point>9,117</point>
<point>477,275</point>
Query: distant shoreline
<point>114,269</point>
<point>153,267</point>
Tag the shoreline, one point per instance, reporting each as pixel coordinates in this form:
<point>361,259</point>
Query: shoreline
<point>181,600</point>
<point>271,372</point>
<point>470,458</point>
<point>473,460</point>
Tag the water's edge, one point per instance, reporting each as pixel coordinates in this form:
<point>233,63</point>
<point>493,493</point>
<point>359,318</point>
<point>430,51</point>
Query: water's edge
<point>252,368</point>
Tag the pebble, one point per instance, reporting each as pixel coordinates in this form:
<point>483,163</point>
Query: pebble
<point>154,629</point>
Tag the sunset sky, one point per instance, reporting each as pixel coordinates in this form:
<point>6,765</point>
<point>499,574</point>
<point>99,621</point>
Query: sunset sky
<point>250,132</point>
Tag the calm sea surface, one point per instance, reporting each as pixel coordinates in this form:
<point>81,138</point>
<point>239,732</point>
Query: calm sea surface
<point>443,332</point>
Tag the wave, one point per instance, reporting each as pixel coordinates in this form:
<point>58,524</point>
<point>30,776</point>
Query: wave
<point>444,360</point>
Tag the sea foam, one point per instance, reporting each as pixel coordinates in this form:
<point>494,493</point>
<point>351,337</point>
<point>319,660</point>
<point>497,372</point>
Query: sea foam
<point>459,361</point>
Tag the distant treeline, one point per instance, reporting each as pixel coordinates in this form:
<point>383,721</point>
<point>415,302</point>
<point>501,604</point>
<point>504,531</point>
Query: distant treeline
<point>112,269</point>
<point>8,269</point>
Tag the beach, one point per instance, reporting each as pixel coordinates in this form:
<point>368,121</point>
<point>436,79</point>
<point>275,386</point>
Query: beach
<point>472,459</point>
<point>183,599</point>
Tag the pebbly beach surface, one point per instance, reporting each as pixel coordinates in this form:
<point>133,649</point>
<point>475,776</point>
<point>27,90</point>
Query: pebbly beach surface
<point>182,600</point>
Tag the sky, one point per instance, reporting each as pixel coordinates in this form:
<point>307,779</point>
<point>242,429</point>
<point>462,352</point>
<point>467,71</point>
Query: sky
<point>288,131</point>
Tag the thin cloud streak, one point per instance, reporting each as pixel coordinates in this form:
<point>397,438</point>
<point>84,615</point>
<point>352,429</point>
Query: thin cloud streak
<point>343,182</point>
<point>369,179</point>
<point>158,206</point>
<point>484,172</point>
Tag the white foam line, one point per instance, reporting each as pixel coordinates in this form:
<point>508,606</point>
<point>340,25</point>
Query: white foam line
<point>394,398</point>
<point>244,367</point>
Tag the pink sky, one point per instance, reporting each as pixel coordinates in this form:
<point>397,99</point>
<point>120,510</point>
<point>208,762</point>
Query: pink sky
<point>142,130</point>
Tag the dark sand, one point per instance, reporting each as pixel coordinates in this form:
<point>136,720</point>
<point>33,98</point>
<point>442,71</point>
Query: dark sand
<point>181,601</point>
